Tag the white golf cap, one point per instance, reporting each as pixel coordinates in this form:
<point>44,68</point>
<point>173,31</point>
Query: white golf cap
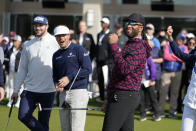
<point>150,26</point>
<point>190,35</point>
<point>18,38</point>
<point>60,30</point>
<point>105,20</point>
<point>6,38</point>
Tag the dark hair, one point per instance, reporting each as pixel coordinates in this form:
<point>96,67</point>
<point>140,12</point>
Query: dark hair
<point>144,37</point>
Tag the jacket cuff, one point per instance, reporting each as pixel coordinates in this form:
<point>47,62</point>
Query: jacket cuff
<point>114,46</point>
<point>70,76</point>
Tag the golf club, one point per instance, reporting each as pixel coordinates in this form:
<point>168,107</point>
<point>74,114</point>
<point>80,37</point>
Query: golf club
<point>12,105</point>
<point>67,108</point>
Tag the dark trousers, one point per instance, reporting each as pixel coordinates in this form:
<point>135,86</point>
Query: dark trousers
<point>119,115</point>
<point>28,105</point>
<point>153,98</point>
<point>157,88</point>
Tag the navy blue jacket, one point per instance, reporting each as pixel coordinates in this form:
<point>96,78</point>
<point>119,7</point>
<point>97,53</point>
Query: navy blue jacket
<point>188,58</point>
<point>66,62</point>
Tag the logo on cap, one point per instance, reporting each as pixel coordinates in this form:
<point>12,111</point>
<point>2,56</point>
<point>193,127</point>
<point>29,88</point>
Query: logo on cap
<point>41,20</point>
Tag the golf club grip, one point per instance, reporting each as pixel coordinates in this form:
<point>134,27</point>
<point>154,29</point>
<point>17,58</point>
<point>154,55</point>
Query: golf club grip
<point>11,107</point>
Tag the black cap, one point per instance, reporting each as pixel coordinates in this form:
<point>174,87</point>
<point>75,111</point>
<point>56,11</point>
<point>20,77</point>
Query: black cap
<point>136,18</point>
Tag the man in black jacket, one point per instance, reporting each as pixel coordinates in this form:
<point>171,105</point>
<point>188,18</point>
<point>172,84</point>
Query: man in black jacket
<point>85,39</point>
<point>104,57</point>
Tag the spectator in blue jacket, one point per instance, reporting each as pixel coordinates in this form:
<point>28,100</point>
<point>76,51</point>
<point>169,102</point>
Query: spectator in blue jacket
<point>171,77</point>
<point>148,86</point>
<point>150,29</point>
<point>71,64</point>
<point>157,58</point>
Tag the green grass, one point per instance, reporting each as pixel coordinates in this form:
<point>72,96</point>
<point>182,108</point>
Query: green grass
<point>93,123</point>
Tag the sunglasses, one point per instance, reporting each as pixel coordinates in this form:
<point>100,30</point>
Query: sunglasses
<point>132,23</point>
<point>191,42</point>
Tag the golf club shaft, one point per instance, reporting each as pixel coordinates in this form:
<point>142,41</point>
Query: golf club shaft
<point>7,123</point>
<point>12,105</point>
<point>60,108</point>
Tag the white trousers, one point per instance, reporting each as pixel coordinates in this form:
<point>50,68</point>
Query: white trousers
<point>74,120</point>
<point>188,119</point>
<point>10,87</point>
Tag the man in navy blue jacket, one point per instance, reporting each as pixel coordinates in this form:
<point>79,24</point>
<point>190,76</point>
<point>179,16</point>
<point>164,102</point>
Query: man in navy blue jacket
<point>69,62</point>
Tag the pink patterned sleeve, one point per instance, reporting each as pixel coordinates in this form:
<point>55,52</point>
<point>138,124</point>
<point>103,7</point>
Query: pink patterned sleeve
<point>125,66</point>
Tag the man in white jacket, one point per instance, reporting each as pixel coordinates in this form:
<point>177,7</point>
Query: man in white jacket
<point>35,70</point>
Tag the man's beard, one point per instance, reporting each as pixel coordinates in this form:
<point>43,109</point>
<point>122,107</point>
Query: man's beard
<point>133,34</point>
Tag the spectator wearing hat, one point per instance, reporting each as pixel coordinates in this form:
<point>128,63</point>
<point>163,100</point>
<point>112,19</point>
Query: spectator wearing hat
<point>183,36</point>
<point>103,58</point>
<point>157,54</point>
<point>122,38</point>
<point>171,76</point>
<point>4,44</point>
<point>71,64</point>
<point>35,70</point>
<point>190,35</point>
<point>11,63</point>
<point>150,29</point>
<point>125,82</point>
